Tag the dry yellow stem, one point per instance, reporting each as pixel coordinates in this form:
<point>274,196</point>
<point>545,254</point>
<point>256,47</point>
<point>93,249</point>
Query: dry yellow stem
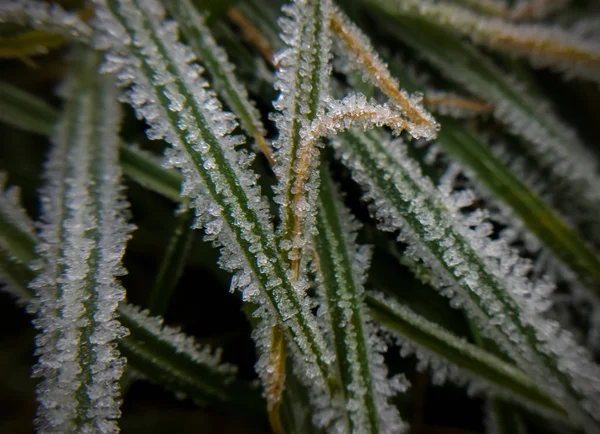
<point>251,33</point>
<point>264,147</point>
<point>254,37</point>
<point>379,75</point>
<point>276,377</point>
<point>548,47</point>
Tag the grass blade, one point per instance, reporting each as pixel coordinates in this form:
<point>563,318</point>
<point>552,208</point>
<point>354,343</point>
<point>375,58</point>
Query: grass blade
<point>214,58</point>
<point>432,342</point>
<point>47,17</point>
<point>542,45</point>
<point>303,64</point>
<point>158,353</point>
<point>26,111</point>
<point>83,238</point>
<point>340,265</point>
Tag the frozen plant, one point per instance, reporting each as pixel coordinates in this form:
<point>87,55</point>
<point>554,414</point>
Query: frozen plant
<point>372,180</point>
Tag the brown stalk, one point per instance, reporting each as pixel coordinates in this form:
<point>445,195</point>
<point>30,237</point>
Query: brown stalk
<point>276,377</point>
<point>251,33</point>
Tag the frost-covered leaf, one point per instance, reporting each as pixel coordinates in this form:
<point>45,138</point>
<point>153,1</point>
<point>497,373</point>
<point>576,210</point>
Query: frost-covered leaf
<point>358,49</point>
<point>83,236</point>
<point>30,113</point>
<point>17,242</point>
<point>542,45</point>
<point>156,352</point>
<point>449,357</point>
<point>18,233</point>
<point>521,10</point>
<point>340,265</point>
<point>302,79</point>
<point>164,355</point>
<point>166,89</point>
<point>215,60</point>
<point>484,277</point>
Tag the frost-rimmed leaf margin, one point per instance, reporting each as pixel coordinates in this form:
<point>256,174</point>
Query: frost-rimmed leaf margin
<point>178,362</point>
<point>30,113</point>
<point>49,17</point>
<point>17,243</point>
<point>166,89</point>
<point>484,277</point>
<point>340,266</point>
<point>464,362</point>
<point>83,236</point>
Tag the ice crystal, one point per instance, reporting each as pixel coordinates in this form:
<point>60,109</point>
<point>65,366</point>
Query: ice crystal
<point>180,342</point>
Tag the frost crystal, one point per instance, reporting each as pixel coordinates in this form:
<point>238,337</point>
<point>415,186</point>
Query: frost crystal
<point>83,236</point>
<point>180,342</point>
<point>355,45</point>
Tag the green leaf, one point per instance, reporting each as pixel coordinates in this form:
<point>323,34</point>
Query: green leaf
<point>30,113</point>
<point>173,262</point>
<point>501,378</point>
<point>158,353</point>
<point>542,220</point>
<point>214,58</point>
<point>32,43</point>
<point>302,78</point>
<point>26,111</point>
<point>542,45</point>
<point>164,355</point>
<point>340,266</point>
<point>143,168</point>
<point>82,240</point>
